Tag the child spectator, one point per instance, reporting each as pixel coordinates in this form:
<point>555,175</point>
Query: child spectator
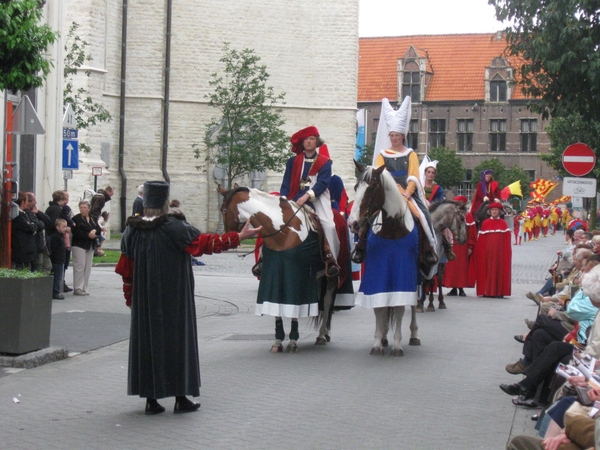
<point>57,256</point>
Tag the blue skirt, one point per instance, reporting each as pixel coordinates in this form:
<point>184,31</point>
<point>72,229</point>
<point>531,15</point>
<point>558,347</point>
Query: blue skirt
<point>391,272</point>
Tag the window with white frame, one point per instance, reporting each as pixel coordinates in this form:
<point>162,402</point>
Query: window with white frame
<point>411,85</point>
<point>464,135</point>
<point>437,133</point>
<point>413,134</point>
<point>497,135</point>
<point>528,135</point>
<point>498,89</point>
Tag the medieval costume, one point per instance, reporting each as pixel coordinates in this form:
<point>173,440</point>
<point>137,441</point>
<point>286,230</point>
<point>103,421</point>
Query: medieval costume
<point>487,190</point>
<point>433,191</point>
<point>288,284</point>
<point>159,287</point>
<point>545,219</point>
<point>493,257</point>
<point>456,272</point>
<point>554,215</point>
<point>404,166</point>
<point>518,222</point>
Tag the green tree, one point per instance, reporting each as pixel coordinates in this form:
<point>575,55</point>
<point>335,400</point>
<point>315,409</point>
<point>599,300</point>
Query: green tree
<point>23,42</point>
<point>366,159</point>
<point>87,112</point>
<point>556,41</point>
<point>450,170</point>
<point>247,135</point>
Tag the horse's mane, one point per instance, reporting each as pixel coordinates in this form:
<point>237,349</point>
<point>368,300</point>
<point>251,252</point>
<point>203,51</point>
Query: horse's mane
<point>436,205</point>
<point>395,205</point>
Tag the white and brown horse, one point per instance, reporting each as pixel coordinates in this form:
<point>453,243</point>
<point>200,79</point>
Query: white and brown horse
<point>388,243</point>
<point>285,226</point>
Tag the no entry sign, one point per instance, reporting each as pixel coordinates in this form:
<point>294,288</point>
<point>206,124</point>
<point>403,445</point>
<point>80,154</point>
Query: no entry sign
<point>578,159</point>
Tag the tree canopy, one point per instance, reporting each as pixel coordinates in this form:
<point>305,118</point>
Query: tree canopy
<point>450,171</point>
<point>557,43</point>
<point>246,137</point>
<point>23,42</point>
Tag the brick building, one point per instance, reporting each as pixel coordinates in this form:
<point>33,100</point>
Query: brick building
<point>462,98</point>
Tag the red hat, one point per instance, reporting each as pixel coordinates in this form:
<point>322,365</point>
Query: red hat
<point>496,205</point>
<point>299,136</point>
<point>461,198</point>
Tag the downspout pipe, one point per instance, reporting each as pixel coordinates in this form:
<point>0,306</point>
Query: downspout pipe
<point>122,173</point>
<point>167,93</point>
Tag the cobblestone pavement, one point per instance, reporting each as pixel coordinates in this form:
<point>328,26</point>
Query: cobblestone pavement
<point>443,394</point>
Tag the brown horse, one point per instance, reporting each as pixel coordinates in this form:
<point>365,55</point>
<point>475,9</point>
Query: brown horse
<point>285,226</point>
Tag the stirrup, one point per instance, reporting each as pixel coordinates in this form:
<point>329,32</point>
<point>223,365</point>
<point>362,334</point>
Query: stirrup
<point>257,269</point>
<point>332,270</point>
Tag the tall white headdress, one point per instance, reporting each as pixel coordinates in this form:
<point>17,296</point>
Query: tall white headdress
<point>426,163</point>
<point>391,120</point>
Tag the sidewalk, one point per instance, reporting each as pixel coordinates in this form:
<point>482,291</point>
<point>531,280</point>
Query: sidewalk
<point>443,394</point>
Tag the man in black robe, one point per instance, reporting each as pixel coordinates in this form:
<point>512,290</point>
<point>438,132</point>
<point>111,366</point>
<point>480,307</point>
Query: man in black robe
<point>158,284</point>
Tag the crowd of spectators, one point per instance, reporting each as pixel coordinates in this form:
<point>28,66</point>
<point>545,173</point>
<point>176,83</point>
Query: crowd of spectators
<point>43,241</point>
<point>560,351</point>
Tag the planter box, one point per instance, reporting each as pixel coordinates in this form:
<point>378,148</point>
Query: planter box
<point>25,314</point>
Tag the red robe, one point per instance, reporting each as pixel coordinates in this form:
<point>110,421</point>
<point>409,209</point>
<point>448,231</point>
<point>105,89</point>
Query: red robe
<point>492,259</point>
<point>456,273</point>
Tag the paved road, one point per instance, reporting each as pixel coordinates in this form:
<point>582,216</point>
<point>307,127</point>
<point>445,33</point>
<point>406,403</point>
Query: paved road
<point>443,394</point>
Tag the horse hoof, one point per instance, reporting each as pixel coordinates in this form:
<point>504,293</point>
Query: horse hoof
<point>430,307</point>
<point>397,352</point>
<point>442,305</point>
<point>384,342</point>
<point>414,341</point>
<point>328,338</point>
<point>321,341</point>
<point>292,348</point>
<point>277,348</point>
<point>419,308</point>
<point>378,351</point>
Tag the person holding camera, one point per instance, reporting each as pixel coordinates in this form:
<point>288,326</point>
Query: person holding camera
<point>85,241</point>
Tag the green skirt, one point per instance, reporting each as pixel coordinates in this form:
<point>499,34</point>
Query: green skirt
<point>288,282</point>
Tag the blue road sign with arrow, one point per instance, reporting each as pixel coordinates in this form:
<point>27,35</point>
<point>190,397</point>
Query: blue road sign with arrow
<point>70,154</point>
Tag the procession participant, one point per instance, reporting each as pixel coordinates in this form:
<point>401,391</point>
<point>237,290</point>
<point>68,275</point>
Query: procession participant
<point>545,219</point>
<point>528,224</point>
<point>537,220</point>
<point>158,285</point>
<point>493,254</point>
<point>403,164</point>
<point>554,215</point>
<point>567,215</point>
<point>456,272</point>
<point>339,197</point>
<point>487,189</point>
<point>306,181</point>
<point>433,191</point>
<point>518,227</point>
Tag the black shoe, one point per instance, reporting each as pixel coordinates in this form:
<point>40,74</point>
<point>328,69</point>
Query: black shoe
<point>452,293</point>
<point>67,289</point>
<point>511,389</point>
<point>430,258</point>
<point>58,297</point>
<point>153,407</point>
<point>519,338</point>
<point>525,400</point>
<point>257,269</point>
<point>461,293</point>
<point>185,405</point>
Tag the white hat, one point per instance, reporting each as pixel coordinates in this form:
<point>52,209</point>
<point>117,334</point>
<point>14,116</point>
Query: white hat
<point>425,164</point>
<point>397,121</point>
<point>391,120</point>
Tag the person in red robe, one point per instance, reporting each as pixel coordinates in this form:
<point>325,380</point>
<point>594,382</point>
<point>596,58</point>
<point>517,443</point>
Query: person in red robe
<point>493,256</point>
<point>488,189</point>
<point>456,273</point>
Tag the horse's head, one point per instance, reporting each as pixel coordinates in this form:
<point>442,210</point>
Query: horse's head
<point>450,214</point>
<point>369,198</point>
<point>229,210</point>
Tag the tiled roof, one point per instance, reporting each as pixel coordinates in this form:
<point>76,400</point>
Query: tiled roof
<point>458,62</point>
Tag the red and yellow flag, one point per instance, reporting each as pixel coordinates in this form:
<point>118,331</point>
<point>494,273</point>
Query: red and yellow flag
<point>541,188</point>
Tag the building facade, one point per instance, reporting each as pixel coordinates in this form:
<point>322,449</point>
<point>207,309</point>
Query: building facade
<point>151,68</point>
<point>463,98</point>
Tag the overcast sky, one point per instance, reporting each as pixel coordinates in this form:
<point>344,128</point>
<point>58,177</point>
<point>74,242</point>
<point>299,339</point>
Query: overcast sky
<point>405,18</point>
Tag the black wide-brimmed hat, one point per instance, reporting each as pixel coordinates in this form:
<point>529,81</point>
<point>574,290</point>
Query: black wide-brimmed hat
<point>156,194</point>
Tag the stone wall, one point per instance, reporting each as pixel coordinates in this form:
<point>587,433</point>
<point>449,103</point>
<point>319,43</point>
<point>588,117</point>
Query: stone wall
<point>310,49</point>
